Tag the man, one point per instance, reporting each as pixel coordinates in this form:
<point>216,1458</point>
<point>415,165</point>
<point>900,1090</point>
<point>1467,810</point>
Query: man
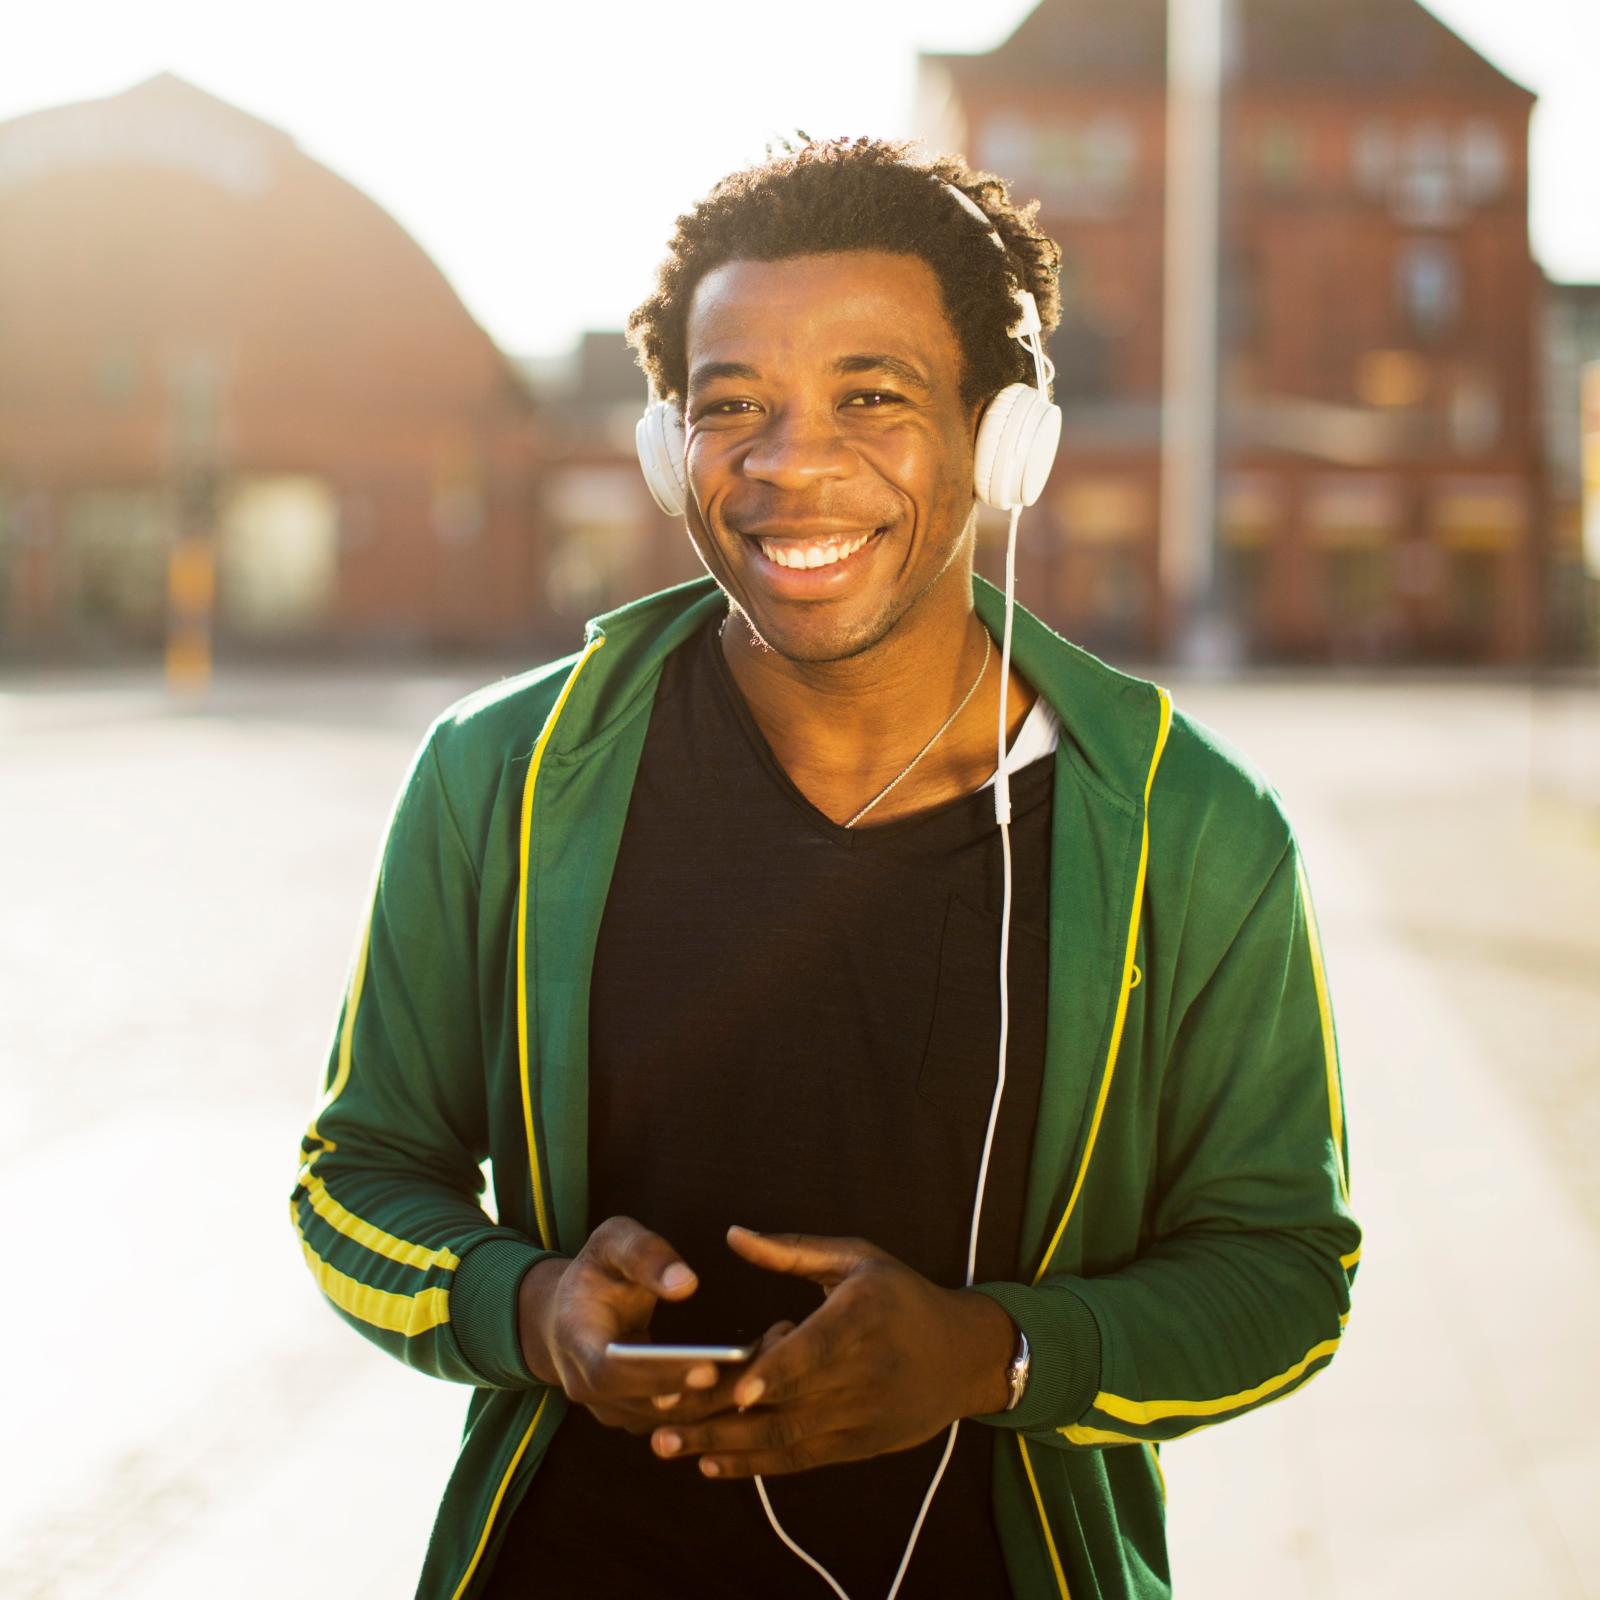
<point>694,936</point>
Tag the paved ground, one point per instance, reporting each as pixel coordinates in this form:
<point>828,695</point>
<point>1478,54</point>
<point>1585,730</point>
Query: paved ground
<point>180,895</point>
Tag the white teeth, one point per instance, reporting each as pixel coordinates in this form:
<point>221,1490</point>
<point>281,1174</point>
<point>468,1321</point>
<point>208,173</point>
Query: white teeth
<point>813,555</point>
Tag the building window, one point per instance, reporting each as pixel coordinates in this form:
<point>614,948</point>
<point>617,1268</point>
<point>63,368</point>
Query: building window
<point>1427,194</point>
<point>1084,167</point>
<point>1006,145</point>
<point>1482,158</point>
<point>1081,347</point>
<point>1241,299</point>
<point>1428,282</point>
<point>113,559</point>
<point>1057,153</point>
<point>1372,157</point>
<point>1282,157</point>
<point>1474,413</point>
<point>1111,150</point>
<point>277,555</point>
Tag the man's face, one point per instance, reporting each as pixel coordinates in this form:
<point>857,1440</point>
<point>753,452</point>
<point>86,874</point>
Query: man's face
<point>829,454</point>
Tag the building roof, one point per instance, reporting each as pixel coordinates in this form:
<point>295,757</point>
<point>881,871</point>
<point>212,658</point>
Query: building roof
<point>1356,44</point>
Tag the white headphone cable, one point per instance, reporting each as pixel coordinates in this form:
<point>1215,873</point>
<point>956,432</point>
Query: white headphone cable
<point>1002,812</point>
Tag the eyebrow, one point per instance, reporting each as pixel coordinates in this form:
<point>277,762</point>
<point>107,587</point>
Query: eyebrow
<point>710,371</point>
<point>903,370</point>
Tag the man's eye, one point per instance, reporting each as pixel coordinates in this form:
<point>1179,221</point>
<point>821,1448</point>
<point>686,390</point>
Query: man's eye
<point>873,399</point>
<point>725,408</point>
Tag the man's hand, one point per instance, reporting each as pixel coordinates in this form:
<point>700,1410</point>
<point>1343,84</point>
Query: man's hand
<point>568,1311</point>
<point>887,1361</point>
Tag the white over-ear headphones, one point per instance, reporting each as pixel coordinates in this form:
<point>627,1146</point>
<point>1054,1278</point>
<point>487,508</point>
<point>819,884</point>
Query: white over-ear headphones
<point>1017,437</point>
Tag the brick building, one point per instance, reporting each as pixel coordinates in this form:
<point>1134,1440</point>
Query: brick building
<point>205,333</point>
<point>1572,424</point>
<point>606,540</point>
<point>1382,478</point>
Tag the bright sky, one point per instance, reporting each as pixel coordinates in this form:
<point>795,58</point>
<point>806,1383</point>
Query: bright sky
<point>468,131</point>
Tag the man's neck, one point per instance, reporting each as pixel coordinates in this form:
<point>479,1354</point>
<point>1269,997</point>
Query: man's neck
<point>842,730</point>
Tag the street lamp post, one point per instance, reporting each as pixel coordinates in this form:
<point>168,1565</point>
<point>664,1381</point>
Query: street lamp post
<point>1198,629</point>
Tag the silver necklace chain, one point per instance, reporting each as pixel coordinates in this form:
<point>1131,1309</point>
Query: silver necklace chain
<point>905,771</point>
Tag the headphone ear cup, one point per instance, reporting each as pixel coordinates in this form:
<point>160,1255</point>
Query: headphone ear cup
<point>1016,447</point>
<point>658,437</point>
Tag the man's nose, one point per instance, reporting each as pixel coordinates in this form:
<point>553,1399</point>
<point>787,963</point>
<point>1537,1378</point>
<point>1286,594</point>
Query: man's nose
<point>799,446</point>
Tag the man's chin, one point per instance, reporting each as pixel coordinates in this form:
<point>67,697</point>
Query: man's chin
<point>811,641</point>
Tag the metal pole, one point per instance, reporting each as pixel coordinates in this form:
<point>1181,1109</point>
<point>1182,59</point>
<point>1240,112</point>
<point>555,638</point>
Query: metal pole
<point>191,565</point>
<point>1196,627</point>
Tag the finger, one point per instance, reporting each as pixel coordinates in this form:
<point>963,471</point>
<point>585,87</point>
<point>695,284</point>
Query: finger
<point>630,1251</point>
<point>702,1377</point>
<point>804,1255</point>
<point>769,1340</point>
<point>692,1404</point>
<point>825,1450</point>
<point>644,1380</point>
<point>809,1358</point>
<point>826,1446</point>
<point>786,1431</point>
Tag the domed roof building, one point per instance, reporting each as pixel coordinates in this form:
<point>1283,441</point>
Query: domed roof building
<point>209,339</point>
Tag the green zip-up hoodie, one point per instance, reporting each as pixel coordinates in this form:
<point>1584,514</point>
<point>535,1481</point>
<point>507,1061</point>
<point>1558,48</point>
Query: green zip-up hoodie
<point>1188,1246</point>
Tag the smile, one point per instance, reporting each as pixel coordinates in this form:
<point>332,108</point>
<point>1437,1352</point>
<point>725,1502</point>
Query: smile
<point>805,553</point>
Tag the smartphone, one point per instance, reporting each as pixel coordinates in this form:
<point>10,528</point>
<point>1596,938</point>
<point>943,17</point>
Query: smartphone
<point>681,1352</point>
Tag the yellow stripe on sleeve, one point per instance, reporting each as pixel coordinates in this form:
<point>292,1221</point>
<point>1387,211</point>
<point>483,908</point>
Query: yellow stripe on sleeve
<point>1147,1411</point>
<point>1124,990</point>
<point>1078,1433</point>
<point>374,1238</point>
<point>546,1238</point>
<point>409,1314</point>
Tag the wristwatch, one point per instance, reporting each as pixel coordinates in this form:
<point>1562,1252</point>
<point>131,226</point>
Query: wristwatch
<point>1017,1372</point>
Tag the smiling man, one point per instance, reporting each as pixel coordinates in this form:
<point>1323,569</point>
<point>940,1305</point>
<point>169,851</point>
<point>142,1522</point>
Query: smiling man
<point>695,935</point>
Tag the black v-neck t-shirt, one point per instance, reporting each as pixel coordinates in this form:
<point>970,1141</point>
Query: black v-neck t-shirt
<point>793,1026</point>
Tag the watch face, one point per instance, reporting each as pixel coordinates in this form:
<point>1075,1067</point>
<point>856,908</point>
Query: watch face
<point>1017,1372</point>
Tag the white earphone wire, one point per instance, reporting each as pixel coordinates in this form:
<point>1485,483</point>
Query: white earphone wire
<point>1002,808</point>
<point>1034,345</point>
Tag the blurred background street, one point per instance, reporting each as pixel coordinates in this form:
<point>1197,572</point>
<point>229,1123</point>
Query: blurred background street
<point>182,893</point>
<point>315,412</point>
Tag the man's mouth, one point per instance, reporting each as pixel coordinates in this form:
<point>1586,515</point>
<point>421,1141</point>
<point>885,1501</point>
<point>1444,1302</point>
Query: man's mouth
<point>799,554</point>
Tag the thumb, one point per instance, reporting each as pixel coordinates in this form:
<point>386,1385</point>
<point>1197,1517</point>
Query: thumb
<point>627,1250</point>
<point>803,1255</point>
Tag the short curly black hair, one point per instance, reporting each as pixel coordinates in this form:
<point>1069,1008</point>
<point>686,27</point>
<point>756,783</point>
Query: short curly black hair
<point>862,194</point>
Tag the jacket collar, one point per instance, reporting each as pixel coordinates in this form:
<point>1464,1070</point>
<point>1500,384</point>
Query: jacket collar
<point>1107,717</point>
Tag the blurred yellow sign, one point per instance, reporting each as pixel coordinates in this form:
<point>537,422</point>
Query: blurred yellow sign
<point>191,578</point>
<point>191,589</point>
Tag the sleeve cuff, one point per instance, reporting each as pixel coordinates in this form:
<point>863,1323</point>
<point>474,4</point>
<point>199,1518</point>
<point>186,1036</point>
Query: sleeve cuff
<point>483,1310</point>
<point>1064,1361</point>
